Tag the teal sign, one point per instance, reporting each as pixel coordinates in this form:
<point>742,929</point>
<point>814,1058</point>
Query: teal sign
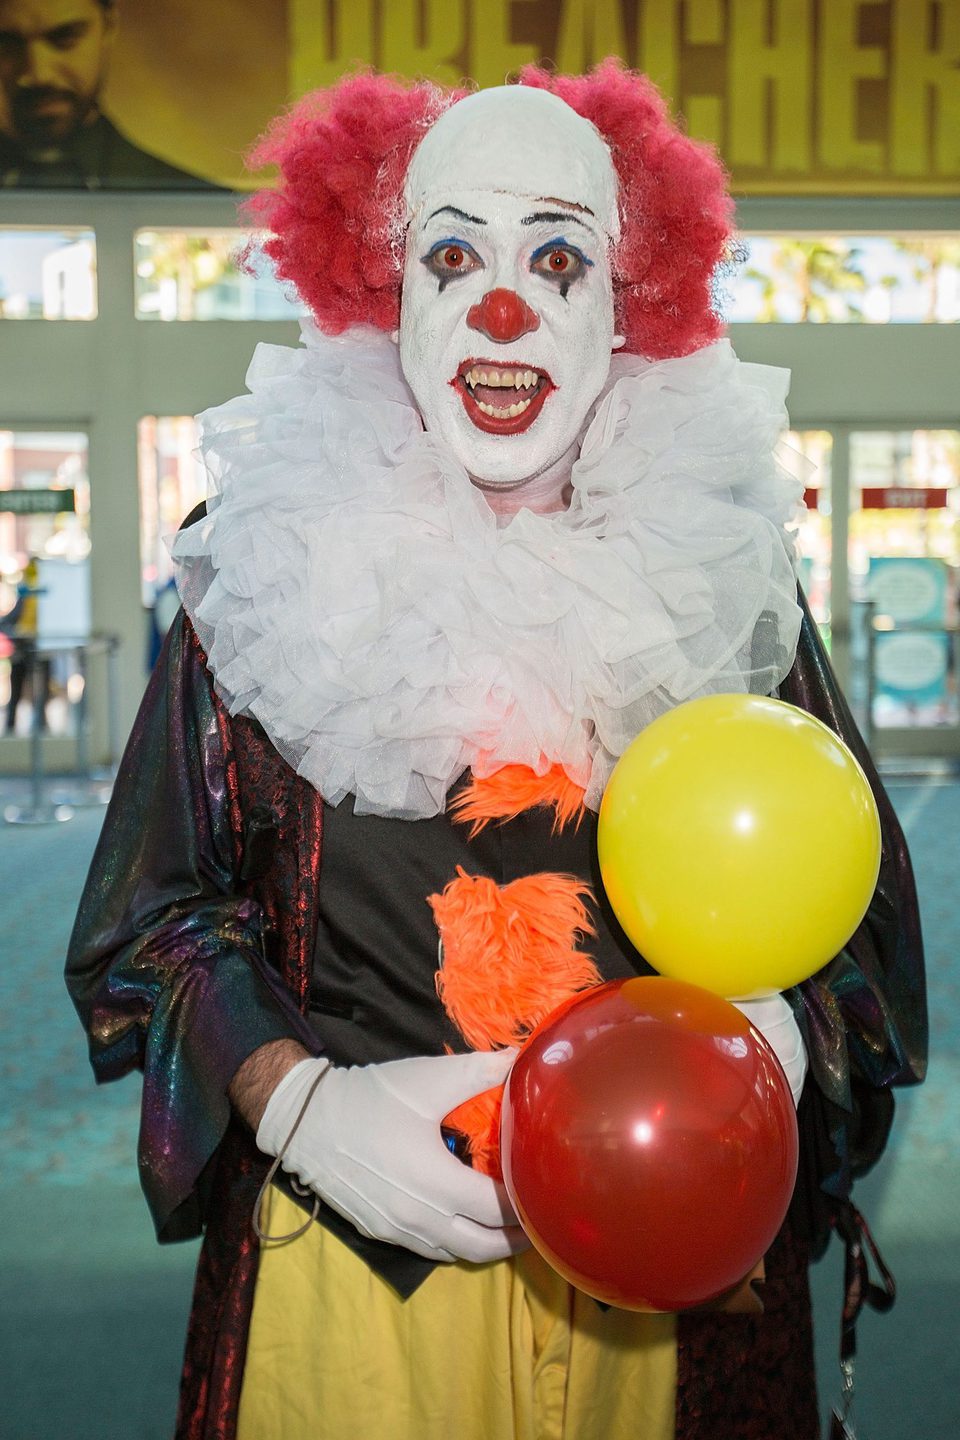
<point>38,502</point>
<point>912,661</point>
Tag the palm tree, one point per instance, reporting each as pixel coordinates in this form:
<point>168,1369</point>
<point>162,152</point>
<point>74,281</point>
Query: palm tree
<point>818,272</point>
<point>194,261</point>
<point>932,254</point>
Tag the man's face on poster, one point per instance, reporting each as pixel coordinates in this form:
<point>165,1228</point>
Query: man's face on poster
<point>53,57</point>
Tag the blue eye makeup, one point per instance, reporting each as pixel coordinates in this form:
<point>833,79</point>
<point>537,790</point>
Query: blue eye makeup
<point>561,261</point>
<point>449,259</point>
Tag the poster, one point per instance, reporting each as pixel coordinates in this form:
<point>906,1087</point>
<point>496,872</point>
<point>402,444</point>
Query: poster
<point>911,662</point>
<point>911,590</point>
<point>800,96</point>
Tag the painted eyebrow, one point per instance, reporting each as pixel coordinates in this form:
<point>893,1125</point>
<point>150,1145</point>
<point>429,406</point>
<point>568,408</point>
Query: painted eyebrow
<point>460,214</point>
<point>555,217</point>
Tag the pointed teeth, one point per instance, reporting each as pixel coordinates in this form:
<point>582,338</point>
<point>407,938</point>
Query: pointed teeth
<point>509,413</point>
<point>502,379</point>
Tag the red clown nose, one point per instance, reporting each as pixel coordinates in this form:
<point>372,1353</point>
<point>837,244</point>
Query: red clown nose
<point>503,316</point>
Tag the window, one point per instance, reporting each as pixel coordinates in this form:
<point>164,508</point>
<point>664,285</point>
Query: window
<point>44,572</point>
<point>205,275</point>
<point>48,274</point>
<point>904,497</point>
<point>846,279</point>
<point>807,454</point>
<point>904,555</point>
<point>172,482</point>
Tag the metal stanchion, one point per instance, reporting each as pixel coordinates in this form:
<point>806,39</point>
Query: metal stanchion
<point>100,778</point>
<point>39,811</point>
<point>94,784</point>
<point>113,703</point>
<point>80,715</point>
<point>87,785</point>
<point>868,728</point>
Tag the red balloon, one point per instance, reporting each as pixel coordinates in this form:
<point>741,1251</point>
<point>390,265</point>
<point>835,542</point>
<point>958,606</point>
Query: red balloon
<point>649,1143</point>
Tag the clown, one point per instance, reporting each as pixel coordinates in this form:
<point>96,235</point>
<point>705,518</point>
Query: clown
<point>510,500</point>
<point>506,324</point>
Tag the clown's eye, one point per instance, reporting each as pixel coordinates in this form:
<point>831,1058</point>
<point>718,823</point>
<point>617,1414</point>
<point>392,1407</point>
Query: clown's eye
<point>563,263</point>
<point>449,259</point>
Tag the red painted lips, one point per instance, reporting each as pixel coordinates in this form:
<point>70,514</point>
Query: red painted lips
<point>490,392</point>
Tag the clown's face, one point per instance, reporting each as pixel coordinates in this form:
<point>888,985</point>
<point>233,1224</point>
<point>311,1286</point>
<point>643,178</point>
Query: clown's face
<point>506,328</point>
<point>506,321</point>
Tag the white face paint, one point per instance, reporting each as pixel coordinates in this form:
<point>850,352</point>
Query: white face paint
<point>506,323</point>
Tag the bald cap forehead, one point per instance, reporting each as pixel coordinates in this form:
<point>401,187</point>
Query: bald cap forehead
<point>521,141</point>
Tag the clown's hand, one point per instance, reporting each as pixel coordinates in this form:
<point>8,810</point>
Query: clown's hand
<point>369,1144</point>
<point>774,1019</point>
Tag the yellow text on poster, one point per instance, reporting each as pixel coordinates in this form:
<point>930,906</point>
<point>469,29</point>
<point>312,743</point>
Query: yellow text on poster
<point>798,94</point>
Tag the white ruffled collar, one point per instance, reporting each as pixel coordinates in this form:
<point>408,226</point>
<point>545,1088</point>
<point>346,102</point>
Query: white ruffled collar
<point>356,595</point>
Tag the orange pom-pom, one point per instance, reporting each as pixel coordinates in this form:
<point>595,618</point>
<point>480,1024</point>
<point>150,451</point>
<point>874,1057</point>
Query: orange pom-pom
<point>510,953</point>
<point>509,958</point>
<point>478,1121</point>
<point>515,788</point>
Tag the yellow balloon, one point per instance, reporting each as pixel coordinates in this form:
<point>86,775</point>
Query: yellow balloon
<point>739,844</point>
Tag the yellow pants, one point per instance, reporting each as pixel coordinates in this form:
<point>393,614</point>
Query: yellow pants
<point>506,1351</point>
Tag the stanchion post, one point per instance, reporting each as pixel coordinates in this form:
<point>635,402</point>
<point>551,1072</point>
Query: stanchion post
<point>38,718</point>
<point>868,727</point>
<point>39,811</point>
<point>113,703</point>
<point>81,735</point>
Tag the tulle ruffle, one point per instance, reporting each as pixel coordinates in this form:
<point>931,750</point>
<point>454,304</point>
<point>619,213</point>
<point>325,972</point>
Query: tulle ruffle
<point>355,593</point>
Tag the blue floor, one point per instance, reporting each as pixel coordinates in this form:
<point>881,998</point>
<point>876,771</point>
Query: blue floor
<point>93,1312</point>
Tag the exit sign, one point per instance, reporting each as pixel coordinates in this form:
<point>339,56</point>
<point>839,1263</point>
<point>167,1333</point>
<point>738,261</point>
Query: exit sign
<point>37,502</point>
<point>903,497</point>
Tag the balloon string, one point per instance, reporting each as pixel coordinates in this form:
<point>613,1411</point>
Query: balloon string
<point>300,1190</point>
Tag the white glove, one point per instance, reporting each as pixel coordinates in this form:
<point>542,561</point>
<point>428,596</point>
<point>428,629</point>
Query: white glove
<point>774,1019</point>
<point>369,1145</point>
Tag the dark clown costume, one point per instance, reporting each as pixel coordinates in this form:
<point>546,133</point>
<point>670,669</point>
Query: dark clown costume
<point>445,576</point>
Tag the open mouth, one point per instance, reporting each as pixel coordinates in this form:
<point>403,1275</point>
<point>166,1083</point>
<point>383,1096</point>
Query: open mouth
<point>44,102</point>
<point>502,399</point>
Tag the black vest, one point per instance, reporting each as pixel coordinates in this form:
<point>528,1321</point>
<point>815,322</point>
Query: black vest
<point>372,995</point>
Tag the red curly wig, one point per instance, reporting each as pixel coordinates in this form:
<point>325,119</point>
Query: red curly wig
<point>335,216</point>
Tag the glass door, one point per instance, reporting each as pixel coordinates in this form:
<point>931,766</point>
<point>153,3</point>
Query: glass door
<point>880,564</point>
<point>904,563</point>
<point>44,576</point>
<point>808,454</point>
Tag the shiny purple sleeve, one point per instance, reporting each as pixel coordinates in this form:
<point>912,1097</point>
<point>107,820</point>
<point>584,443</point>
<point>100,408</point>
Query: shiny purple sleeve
<point>864,1015</point>
<point>166,963</point>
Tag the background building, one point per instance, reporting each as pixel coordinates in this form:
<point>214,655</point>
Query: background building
<point>840,124</point>
<point>123,314</point>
